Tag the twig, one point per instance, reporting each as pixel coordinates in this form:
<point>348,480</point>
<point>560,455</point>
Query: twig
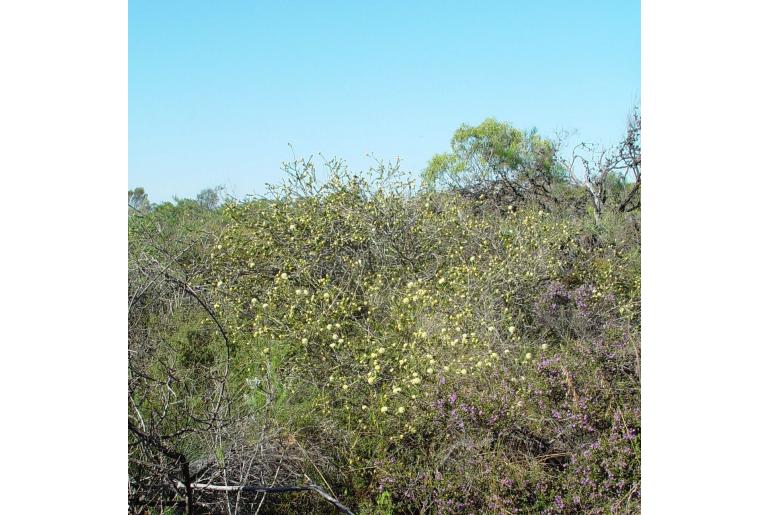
<point>272,490</point>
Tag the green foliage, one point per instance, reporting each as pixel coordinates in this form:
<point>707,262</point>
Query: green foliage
<point>138,201</point>
<point>421,351</point>
<point>195,345</point>
<point>210,198</point>
<point>494,158</point>
<point>441,167</point>
<point>387,304</point>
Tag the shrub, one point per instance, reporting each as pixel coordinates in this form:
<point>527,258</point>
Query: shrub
<point>439,355</point>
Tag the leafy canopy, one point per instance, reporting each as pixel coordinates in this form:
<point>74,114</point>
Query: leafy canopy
<point>494,151</point>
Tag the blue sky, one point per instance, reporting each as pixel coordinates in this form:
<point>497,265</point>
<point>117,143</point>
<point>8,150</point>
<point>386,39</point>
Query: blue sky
<point>217,90</point>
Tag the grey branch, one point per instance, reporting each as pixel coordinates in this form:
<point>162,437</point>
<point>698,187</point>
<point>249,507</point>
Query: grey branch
<point>268,490</point>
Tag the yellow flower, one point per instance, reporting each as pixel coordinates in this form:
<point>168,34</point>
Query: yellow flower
<point>401,409</point>
<point>384,409</point>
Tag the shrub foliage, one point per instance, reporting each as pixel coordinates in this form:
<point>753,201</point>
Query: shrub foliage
<point>406,350</point>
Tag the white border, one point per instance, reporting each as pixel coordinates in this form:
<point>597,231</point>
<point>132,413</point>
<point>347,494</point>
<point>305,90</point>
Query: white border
<point>63,157</point>
<point>705,348</point>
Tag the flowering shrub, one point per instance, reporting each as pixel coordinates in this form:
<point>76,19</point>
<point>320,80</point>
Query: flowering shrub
<point>443,354</point>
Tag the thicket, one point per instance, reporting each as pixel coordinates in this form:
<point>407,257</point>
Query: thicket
<point>468,346</point>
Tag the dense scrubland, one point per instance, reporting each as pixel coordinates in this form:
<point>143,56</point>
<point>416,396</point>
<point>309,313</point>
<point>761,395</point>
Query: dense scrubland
<point>466,343</point>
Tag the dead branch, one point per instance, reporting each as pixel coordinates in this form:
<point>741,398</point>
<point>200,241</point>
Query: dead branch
<point>271,490</point>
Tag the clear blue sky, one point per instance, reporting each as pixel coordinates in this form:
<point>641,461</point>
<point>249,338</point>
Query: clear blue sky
<point>217,90</point>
